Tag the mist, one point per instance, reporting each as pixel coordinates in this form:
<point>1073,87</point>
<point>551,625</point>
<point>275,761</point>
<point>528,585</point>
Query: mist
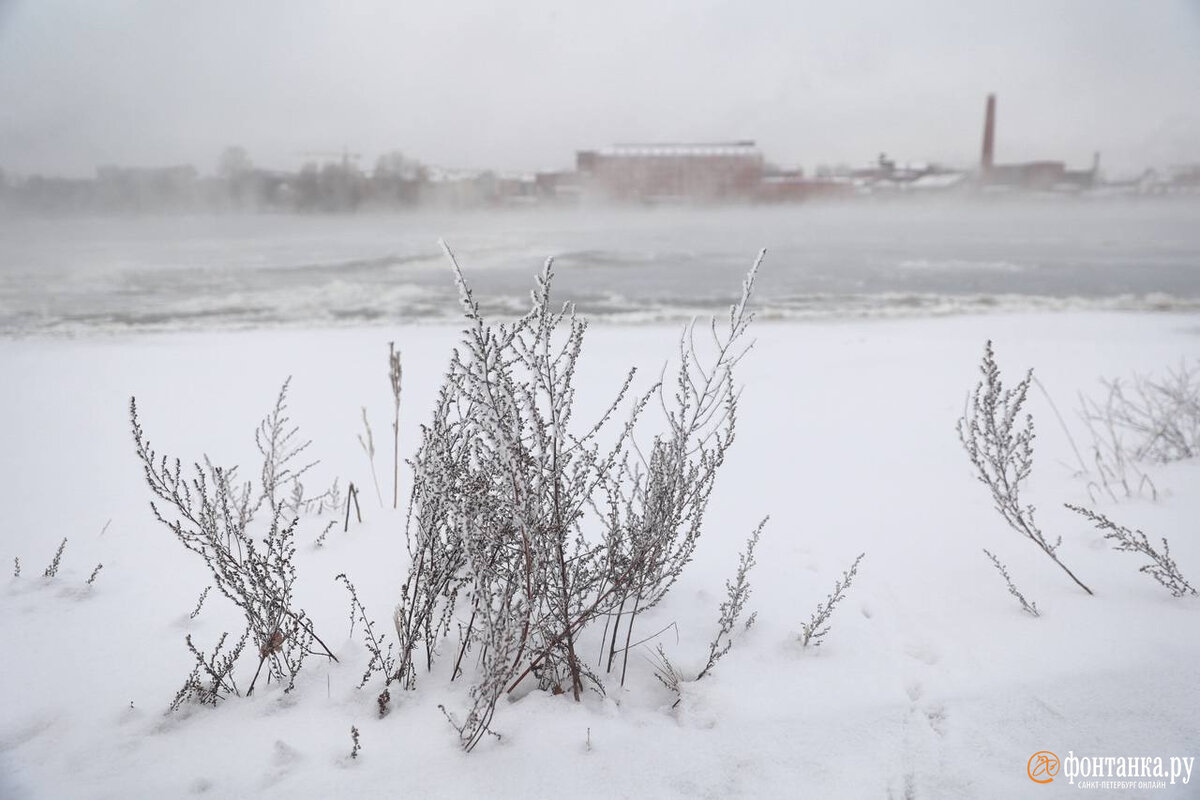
<point>475,85</point>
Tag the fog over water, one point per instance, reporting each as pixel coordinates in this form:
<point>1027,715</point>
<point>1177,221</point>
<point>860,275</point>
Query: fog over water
<point>75,276</point>
<point>522,86</point>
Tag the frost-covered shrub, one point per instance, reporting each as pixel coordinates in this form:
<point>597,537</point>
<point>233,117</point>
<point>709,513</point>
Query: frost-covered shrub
<point>533,528</point>
<point>251,559</point>
<point>813,632</point>
<point>999,443</point>
<point>737,593</point>
<point>1148,418</point>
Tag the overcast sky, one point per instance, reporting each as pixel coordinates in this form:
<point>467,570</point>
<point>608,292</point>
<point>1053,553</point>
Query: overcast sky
<point>522,85</point>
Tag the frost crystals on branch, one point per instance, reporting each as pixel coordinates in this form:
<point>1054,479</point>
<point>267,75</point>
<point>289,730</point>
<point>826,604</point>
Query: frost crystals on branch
<point>1000,446</point>
<point>1161,567</point>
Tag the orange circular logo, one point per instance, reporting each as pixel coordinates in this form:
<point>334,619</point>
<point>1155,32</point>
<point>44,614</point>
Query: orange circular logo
<point>1042,767</point>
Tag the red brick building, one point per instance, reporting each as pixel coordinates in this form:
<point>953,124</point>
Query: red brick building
<point>672,172</point>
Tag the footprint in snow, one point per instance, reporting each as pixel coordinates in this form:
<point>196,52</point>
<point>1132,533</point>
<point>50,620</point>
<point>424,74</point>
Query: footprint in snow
<point>937,717</point>
<point>924,652</point>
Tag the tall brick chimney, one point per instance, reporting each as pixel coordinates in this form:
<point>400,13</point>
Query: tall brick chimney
<point>989,134</point>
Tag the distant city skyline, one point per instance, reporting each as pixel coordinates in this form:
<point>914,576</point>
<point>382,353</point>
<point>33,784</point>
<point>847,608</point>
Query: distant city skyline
<point>467,84</point>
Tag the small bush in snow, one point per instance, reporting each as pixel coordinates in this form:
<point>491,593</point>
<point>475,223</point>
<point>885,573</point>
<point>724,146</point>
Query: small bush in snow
<point>1149,419</point>
<point>817,628</point>
<point>16,566</point>
<point>532,528</point>
<point>211,679</point>
<point>1027,607</point>
<point>1161,567</point>
<point>383,658</point>
<point>999,444</point>
<point>254,568</point>
<point>1116,470</point>
<point>92,578</point>
<point>737,592</point>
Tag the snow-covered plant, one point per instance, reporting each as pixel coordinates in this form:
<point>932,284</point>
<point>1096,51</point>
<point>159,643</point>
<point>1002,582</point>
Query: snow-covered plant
<point>502,626</point>
<point>1027,607</point>
<point>298,503</point>
<point>666,672</point>
<point>1148,418</point>
<point>1114,460</point>
<point>817,628</point>
<point>383,656</point>
<point>52,569</point>
<point>999,444</point>
<point>252,564</point>
<point>92,578</point>
<point>1162,567</point>
<point>395,376</point>
<point>329,500</point>
<point>737,592</point>
<point>16,566</point>
<point>366,440</point>
<point>356,745</point>
<point>280,450</point>
<point>320,540</point>
<point>657,506</point>
<point>211,679</point>
<point>541,527</point>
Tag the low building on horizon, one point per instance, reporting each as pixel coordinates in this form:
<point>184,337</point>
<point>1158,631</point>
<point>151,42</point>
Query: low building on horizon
<point>672,172</point>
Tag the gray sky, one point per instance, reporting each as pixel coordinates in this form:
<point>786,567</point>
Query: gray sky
<point>522,85</point>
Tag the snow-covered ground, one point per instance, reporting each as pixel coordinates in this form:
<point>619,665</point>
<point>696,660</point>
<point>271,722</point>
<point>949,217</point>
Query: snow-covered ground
<point>932,683</point>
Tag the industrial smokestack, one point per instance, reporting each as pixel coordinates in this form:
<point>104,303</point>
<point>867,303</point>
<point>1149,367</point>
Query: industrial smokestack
<point>989,134</point>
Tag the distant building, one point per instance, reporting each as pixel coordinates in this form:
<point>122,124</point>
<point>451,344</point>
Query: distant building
<point>1030,175</point>
<point>795,188</point>
<point>672,172</point>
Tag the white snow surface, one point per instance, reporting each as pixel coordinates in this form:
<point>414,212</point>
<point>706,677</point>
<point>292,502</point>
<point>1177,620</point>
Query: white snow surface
<point>932,683</point>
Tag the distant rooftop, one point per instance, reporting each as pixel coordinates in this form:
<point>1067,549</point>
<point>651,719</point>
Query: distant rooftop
<point>739,148</point>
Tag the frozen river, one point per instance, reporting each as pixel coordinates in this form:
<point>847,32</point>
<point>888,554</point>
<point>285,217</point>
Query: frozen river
<point>79,276</point>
